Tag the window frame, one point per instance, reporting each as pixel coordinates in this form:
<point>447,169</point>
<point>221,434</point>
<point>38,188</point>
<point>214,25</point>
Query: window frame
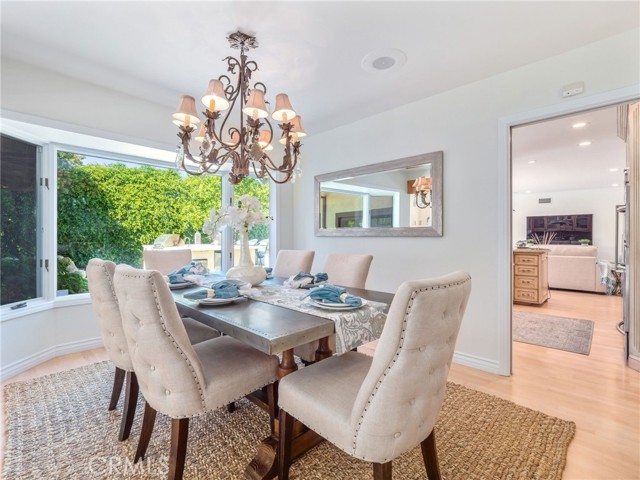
<point>48,213</point>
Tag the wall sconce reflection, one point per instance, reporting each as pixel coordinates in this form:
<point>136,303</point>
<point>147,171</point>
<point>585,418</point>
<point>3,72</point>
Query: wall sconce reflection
<point>422,187</point>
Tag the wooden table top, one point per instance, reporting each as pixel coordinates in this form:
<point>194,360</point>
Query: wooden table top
<point>269,328</point>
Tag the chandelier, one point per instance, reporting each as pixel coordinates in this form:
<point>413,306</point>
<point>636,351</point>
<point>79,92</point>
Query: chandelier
<point>422,187</point>
<point>246,146</point>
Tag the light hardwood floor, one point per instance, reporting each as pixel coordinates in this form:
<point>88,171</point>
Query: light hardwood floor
<point>596,391</point>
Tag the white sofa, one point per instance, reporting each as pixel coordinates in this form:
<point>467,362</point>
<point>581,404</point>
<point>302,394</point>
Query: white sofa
<point>574,267</point>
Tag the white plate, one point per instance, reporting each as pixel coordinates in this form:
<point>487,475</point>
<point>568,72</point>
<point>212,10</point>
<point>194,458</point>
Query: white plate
<point>337,306</point>
<point>217,301</point>
<point>178,286</point>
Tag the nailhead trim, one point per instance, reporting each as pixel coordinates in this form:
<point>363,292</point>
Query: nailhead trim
<point>173,341</point>
<point>396,355</point>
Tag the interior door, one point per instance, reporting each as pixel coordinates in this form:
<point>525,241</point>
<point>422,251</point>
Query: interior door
<point>632,277</point>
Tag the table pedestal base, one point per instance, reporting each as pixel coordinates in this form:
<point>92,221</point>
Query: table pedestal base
<point>264,464</point>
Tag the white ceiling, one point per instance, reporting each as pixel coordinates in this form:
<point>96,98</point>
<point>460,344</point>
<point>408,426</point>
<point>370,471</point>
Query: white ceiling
<point>546,156</point>
<point>311,50</point>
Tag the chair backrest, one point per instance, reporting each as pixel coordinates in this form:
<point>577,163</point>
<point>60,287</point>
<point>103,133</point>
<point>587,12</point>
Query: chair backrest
<point>105,306</point>
<point>348,270</point>
<point>292,262</point>
<point>166,260</point>
<point>400,398</point>
<point>168,369</point>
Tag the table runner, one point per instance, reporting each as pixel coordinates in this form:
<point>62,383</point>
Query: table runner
<point>353,327</point>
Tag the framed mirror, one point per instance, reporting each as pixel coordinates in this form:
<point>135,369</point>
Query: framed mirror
<point>399,198</point>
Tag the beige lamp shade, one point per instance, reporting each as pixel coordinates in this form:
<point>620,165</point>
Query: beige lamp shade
<point>200,136</point>
<point>298,127</point>
<point>422,183</point>
<point>297,130</point>
<point>256,105</point>
<point>265,140</point>
<point>215,93</point>
<point>284,111</point>
<point>186,112</point>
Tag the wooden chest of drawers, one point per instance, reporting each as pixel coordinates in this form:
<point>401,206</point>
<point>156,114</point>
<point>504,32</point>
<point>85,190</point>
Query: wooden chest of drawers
<point>530,283</point>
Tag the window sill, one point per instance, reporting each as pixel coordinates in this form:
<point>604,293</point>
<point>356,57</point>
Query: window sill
<point>40,305</point>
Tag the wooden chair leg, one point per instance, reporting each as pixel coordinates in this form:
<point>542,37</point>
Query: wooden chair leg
<point>118,380</point>
<point>284,445</point>
<point>129,410</point>
<point>148,421</point>
<point>231,407</point>
<point>179,436</point>
<point>430,456</point>
<point>382,471</point>
<point>272,399</point>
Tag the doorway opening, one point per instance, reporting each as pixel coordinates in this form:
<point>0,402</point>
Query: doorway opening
<point>567,185</point>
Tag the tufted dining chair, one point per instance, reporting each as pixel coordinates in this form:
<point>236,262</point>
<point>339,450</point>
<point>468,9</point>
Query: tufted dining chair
<point>176,378</point>
<point>107,311</point>
<point>348,271</point>
<point>166,260</point>
<point>383,406</point>
<point>292,262</point>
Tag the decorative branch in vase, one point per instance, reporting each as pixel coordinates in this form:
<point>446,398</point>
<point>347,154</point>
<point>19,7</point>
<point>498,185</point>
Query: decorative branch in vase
<point>546,239</point>
<point>242,217</point>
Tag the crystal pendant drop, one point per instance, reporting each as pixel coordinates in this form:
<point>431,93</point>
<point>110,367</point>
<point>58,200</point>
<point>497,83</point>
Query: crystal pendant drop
<point>180,156</point>
<point>207,145</point>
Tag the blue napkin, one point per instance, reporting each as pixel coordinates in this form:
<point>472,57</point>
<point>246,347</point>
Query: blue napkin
<point>321,277</point>
<point>332,294</point>
<point>317,278</point>
<point>221,289</point>
<point>194,268</point>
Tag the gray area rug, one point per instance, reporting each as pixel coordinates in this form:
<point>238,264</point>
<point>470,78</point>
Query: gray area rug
<point>569,334</point>
<point>58,427</point>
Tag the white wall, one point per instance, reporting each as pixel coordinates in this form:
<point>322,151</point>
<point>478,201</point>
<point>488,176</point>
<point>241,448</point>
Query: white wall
<point>60,101</point>
<point>601,202</point>
<point>31,339</point>
<point>462,122</point>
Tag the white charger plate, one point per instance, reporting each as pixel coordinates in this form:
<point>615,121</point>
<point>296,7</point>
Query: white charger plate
<point>208,302</point>
<point>337,306</point>
<point>178,286</point>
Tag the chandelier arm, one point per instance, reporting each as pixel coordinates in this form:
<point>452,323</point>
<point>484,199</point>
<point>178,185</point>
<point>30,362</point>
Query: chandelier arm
<point>279,182</point>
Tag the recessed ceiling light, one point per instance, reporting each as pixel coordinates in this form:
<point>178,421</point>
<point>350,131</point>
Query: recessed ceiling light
<point>527,191</point>
<point>615,185</point>
<point>613,169</point>
<point>579,125</point>
<point>584,144</point>
<point>531,162</point>
<point>387,59</point>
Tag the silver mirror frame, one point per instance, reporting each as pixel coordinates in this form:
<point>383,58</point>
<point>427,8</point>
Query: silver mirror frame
<point>435,230</point>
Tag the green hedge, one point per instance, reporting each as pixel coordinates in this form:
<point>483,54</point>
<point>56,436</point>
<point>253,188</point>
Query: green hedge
<point>110,211</point>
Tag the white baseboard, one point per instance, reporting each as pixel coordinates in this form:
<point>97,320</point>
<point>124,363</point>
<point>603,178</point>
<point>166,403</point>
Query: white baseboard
<point>8,371</point>
<point>486,365</point>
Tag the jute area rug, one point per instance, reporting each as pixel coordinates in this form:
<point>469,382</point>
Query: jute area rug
<point>58,427</point>
<point>569,334</point>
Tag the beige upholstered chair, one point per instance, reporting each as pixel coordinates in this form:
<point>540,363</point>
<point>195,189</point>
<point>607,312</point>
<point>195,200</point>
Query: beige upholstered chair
<point>105,305</point>
<point>292,262</point>
<point>176,378</point>
<point>166,260</point>
<point>375,409</point>
<point>348,271</point>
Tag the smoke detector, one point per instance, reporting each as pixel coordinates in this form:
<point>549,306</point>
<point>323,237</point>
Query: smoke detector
<point>385,60</point>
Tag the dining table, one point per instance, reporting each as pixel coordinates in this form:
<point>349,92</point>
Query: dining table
<point>275,319</point>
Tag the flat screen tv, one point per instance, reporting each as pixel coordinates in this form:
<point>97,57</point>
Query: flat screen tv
<point>568,229</point>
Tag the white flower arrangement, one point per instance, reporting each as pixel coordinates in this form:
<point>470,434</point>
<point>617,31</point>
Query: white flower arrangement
<point>242,216</point>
